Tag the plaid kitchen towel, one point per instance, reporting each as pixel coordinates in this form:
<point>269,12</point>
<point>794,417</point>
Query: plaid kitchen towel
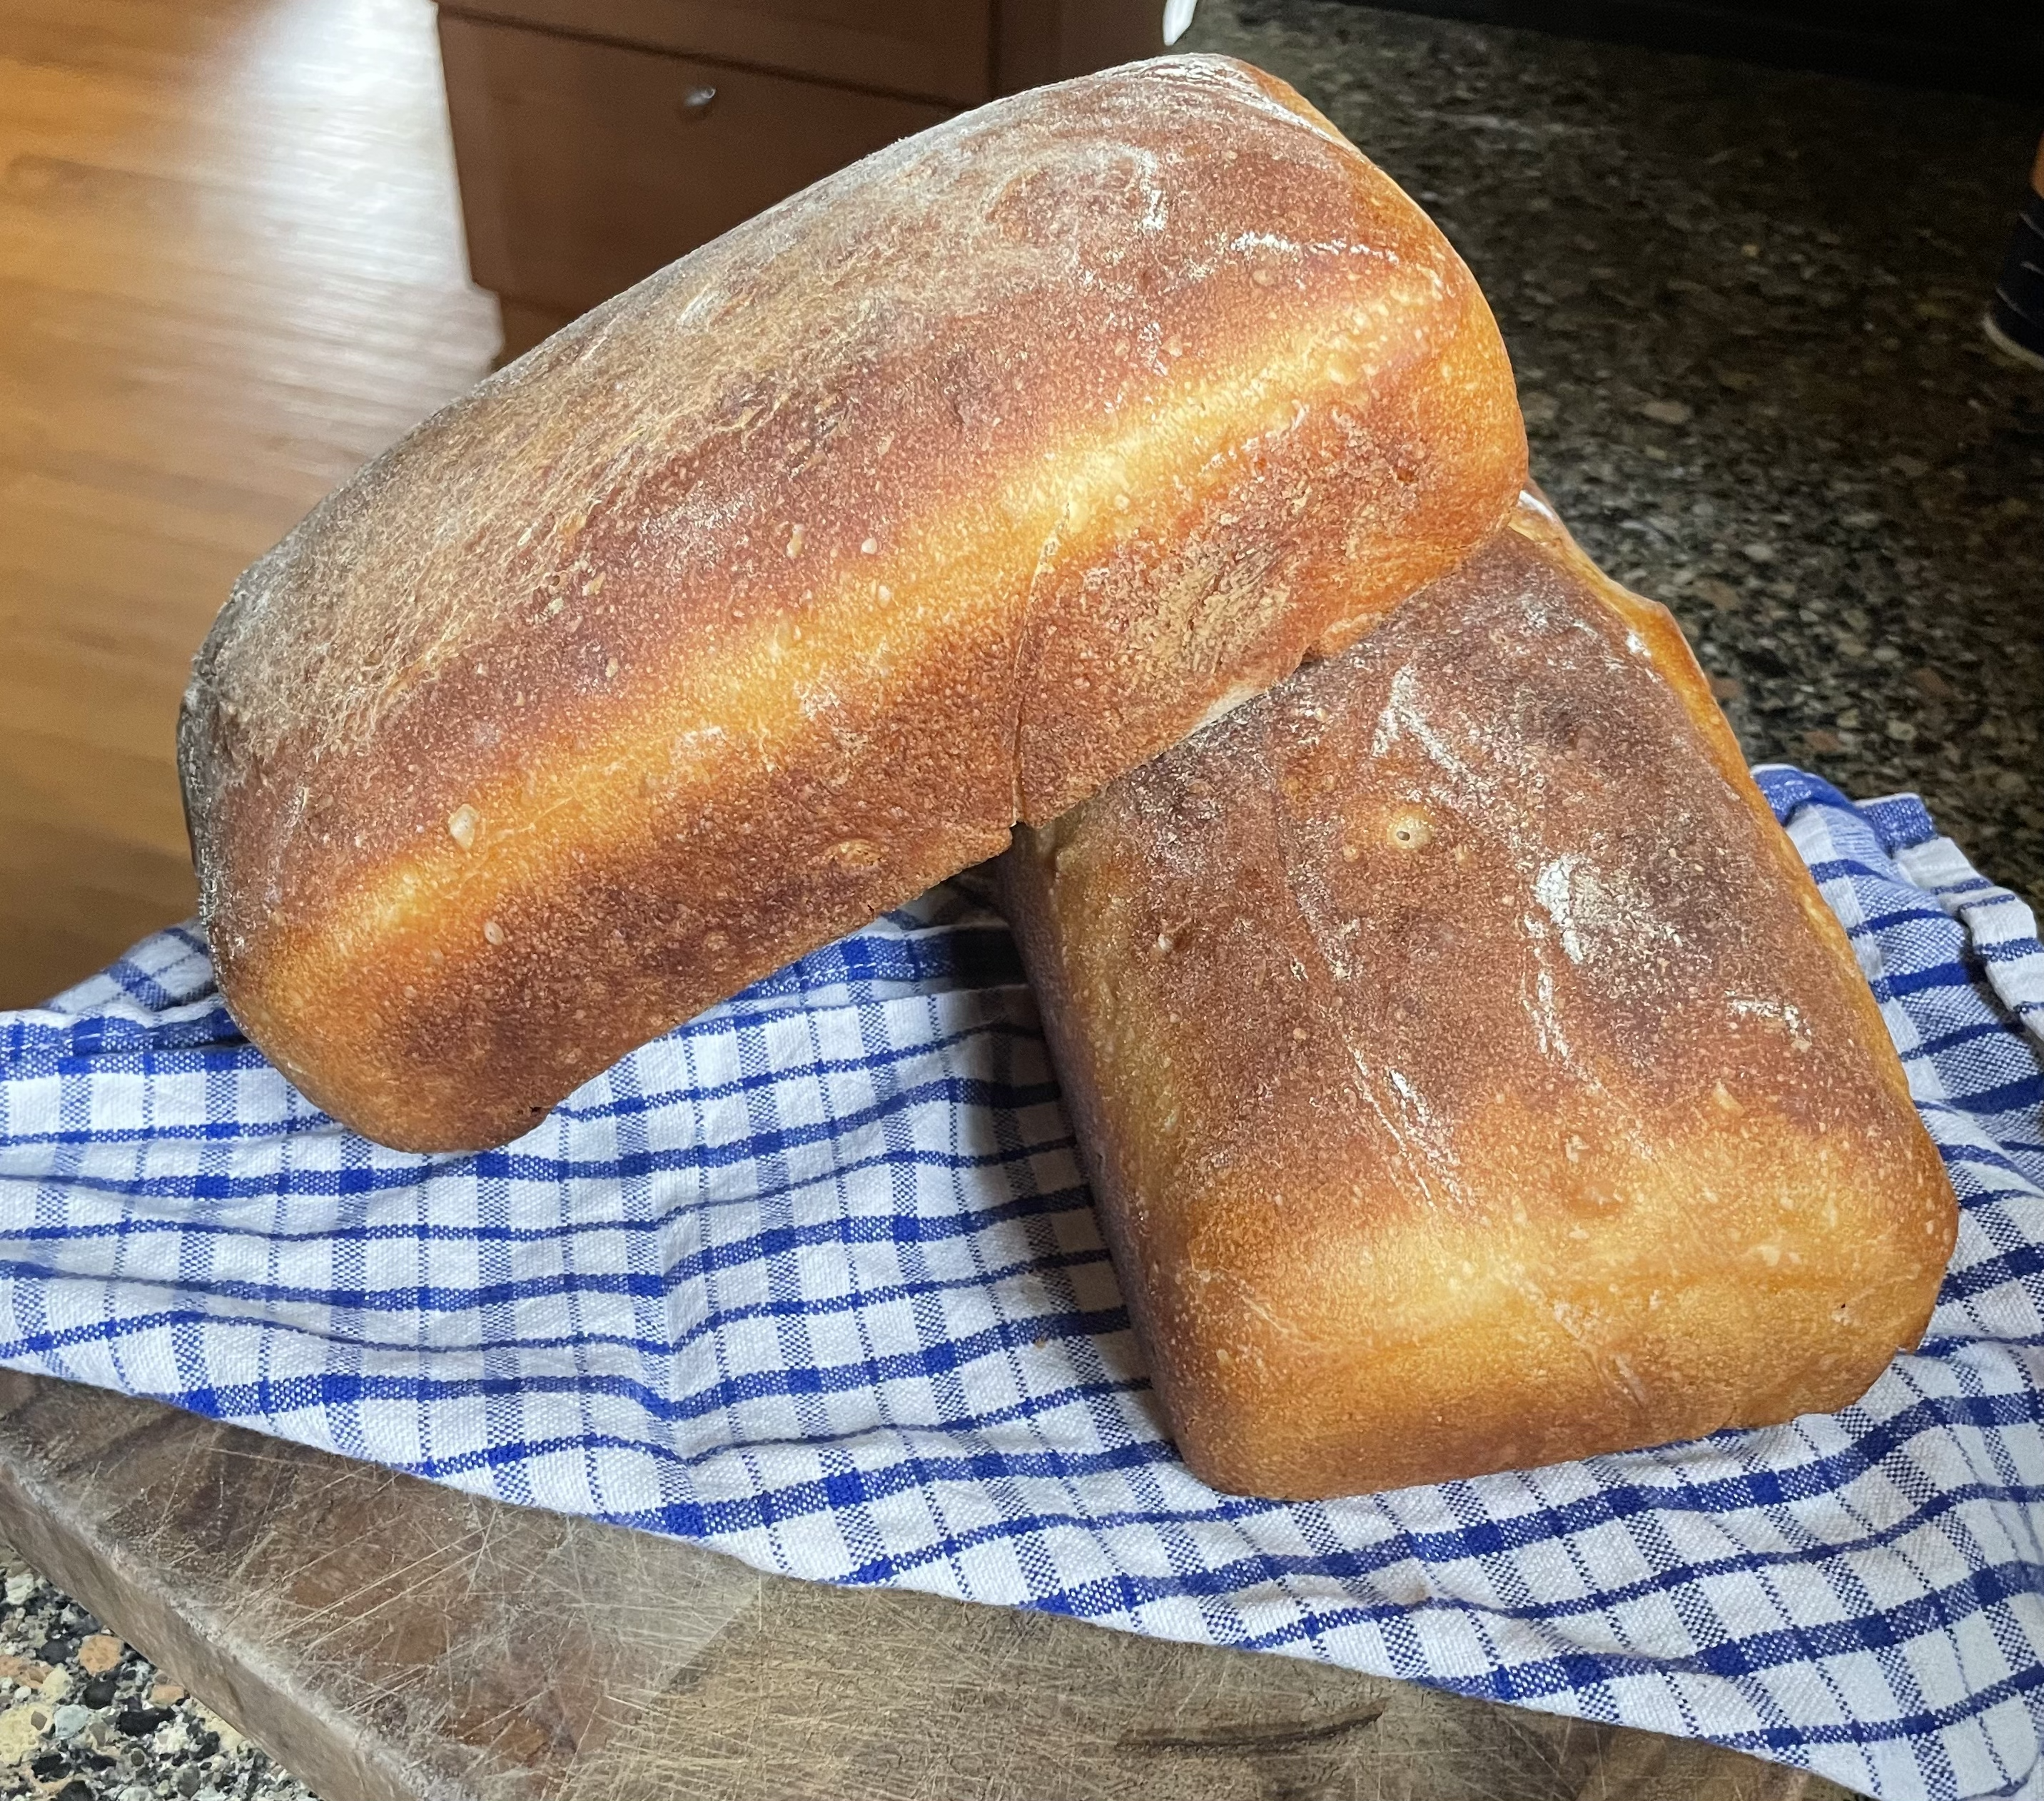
<point>814,1280</point>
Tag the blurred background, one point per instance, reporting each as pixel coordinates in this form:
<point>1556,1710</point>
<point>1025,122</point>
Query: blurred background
<point>244,244</point>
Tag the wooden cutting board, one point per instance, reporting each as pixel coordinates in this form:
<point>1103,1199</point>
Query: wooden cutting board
<point>389,1640</point>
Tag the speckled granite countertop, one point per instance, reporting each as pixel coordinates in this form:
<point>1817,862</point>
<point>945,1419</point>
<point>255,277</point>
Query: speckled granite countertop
<point>1744,306</point>
<point>1744,309</point>
<point>83,1716</point>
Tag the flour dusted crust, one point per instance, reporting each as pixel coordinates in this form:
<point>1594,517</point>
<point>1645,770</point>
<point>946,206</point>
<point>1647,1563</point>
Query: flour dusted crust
<point>1469,1073</point>
<point>780,586</point>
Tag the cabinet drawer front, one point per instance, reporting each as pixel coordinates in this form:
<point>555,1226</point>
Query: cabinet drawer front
<point>585,166</point>
<point>941,49</point>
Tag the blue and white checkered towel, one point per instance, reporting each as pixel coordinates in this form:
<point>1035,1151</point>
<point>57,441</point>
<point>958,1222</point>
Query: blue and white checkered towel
<point>814,1280</point>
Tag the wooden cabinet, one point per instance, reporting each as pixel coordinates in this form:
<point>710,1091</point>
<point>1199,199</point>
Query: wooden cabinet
<point>585,166</point>
<point>1037,41</point>
<point>598,140</point>
<point>941,50</point>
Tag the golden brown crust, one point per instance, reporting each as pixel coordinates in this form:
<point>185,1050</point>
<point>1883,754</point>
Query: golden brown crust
<point>779,587</point>
<point>1471,1075</point>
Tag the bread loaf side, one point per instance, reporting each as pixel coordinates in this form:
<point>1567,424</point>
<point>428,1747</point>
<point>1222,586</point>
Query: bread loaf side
<point>779,587</point>
<point>1470,1074</point>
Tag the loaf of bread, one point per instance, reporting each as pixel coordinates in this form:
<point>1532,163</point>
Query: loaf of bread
<point>782,585</point>
<point>1469,1072</point>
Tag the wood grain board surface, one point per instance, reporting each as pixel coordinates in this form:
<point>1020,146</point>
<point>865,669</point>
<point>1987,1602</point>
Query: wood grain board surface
<point>230,270</point>
<point>392,1640</point>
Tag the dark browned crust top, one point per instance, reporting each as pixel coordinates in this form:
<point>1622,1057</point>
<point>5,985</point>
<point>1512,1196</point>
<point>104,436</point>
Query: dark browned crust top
<point>1469,1073</point>
<point>778,587</point>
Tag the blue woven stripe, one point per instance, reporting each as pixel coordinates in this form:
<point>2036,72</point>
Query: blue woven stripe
<point>813,1279</point>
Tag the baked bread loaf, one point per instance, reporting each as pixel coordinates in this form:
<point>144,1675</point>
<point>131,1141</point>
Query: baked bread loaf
<point>781,586</point>
<point>1469,1072</point>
